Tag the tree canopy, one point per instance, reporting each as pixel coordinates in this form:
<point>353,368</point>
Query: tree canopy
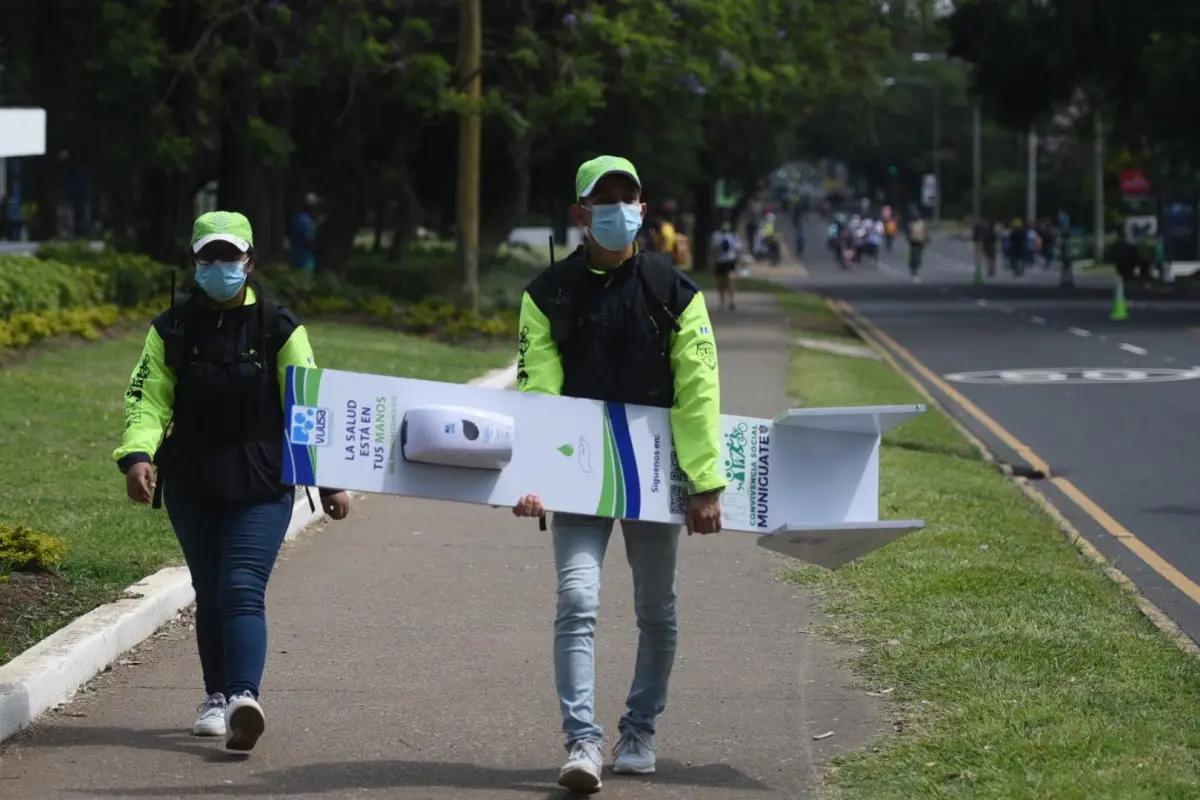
<point>1131,60</point>
<point>150,101</point>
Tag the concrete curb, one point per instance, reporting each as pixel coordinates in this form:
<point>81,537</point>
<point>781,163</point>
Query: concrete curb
<point>49,673</point>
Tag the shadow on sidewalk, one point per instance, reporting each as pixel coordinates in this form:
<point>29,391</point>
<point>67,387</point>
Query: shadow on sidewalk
<point>383,775</point>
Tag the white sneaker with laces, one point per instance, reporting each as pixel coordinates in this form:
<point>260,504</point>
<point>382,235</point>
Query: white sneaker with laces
<point>245,722</point>
<point>634,753</point>
<point>211,721</point>
<point>581,773</point>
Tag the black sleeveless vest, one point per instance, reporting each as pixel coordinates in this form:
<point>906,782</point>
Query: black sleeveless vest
<point>613,329</point>
<point>226,437</point>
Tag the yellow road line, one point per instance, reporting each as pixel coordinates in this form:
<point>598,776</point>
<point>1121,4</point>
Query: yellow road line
<point>1088,506</point>
<point>997,430</point>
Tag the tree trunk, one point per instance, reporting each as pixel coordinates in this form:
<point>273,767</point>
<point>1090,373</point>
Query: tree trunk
<point>348,196</point>
<point>242,178</point>
<point>380,224</point>
<point>703,194</point>
<point>408,215</point>
<point>164,200</point>
<point>522,155</point>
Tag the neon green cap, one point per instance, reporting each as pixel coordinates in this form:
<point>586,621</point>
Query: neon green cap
<point>590,173</point>
<point>222,226</point>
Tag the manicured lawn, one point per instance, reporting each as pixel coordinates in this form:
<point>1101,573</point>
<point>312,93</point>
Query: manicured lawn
<point>1014,667</point>
<point>61,416</point>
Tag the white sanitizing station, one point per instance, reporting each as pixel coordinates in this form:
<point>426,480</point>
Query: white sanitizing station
<point>805,483</point>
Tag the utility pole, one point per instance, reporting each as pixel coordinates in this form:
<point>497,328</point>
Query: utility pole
<point>1098,188</point>
<point>937,155</point>
<point>470,135</point>
<point>1031,187</point>
<point>977,161</point>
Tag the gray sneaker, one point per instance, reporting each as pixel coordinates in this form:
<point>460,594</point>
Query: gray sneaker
<point>244,722</point>
<point>581,773</point>
<point>211,721</point>
<point>634,753</point>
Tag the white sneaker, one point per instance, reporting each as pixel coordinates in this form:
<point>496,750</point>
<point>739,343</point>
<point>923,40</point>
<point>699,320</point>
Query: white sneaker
<point>211,721</point>
<point>581,773</point>
<point>245,722</point>
<point>634,753</point>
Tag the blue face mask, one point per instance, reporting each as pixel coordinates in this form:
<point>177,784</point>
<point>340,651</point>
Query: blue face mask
<point>221,280</point>
<point>615,226</point>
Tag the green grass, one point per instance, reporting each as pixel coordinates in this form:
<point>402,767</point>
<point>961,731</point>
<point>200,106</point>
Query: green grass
<point>1019,670</point>
<point>60,418</point>
<point>708,283</point>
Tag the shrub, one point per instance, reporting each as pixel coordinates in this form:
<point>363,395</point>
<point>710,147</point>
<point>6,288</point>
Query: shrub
<point>444,320</point>
<point>130,278</point>
<point>30,285</point>
<point>23,549</point>
<point>22,330</point>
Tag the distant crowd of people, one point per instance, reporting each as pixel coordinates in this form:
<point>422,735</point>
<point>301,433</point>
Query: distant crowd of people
<point>851,238</point>
<point>1023,245</point>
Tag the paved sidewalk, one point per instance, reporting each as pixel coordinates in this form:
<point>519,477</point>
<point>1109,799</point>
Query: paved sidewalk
<point>411,657</point>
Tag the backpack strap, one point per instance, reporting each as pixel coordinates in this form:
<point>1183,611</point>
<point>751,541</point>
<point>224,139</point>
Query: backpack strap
<point>174,333</point>
<point>659,278</point>
<point>269,327</point>
<point>565,278</point>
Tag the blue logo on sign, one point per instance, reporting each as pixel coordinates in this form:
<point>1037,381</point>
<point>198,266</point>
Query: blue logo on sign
<point>309,426</point>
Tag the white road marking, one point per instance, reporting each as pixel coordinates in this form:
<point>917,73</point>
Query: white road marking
<point>1074,375</point>
<point>1037,320</point>
<point>1133,348</point>
<point>1079,331</point>
<point>981,303</point>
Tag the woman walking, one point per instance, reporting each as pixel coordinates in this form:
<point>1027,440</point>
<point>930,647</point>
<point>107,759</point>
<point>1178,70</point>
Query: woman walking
<point>205,407</point>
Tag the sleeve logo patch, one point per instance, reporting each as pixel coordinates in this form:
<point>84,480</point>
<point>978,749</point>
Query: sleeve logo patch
<point>522,351</point>
<point>707,354</point>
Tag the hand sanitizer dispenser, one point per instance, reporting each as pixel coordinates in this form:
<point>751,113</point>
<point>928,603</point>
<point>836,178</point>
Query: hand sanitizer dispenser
<point>452,436</point>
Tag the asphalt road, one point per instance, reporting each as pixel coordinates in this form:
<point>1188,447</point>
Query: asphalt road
<point>1130,447</point>
<point>410,657</point>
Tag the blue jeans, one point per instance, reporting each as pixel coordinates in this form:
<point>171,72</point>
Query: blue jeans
<point>652,549</point>
<point>230,550</point>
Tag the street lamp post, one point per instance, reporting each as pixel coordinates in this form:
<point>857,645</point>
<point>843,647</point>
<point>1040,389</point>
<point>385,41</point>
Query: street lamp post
<point>976,143</point>
<point>977,161</point>
<point>937,135</point>
<point>937,154</point>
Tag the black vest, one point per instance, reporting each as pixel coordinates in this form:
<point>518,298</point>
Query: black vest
<point>226,437</point>
<point>613,329</point>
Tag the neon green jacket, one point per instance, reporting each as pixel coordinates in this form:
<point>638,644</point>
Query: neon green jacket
<point>151,395</point>
<point>695,417</point>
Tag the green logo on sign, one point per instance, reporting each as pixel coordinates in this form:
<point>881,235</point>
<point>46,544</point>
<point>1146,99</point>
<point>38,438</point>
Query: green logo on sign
<point>736,443</point>
<point>566,450</point>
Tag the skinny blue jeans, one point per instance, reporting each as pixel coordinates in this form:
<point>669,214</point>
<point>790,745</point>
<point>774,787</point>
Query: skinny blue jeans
<point>230,549</point>
<point>652,550</point>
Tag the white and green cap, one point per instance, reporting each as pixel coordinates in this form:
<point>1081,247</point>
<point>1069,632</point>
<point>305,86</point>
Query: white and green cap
<point>222,226</point>
<point>590,173</point>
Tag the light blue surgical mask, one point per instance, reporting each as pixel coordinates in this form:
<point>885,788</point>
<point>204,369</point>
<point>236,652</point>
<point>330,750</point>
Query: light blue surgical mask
<point>615,226</point>
<point>221,280</point>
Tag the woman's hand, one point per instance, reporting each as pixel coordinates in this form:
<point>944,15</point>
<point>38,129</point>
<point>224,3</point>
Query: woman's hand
<point>139,482</point>
<point>336,505</point>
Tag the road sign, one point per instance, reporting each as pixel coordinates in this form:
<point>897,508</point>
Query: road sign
<point>1134,182</point>
<point>1062,376</point>
<point>929,190</point>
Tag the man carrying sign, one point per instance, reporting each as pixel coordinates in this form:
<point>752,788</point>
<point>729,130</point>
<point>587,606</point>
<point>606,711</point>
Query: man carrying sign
<point>615,323</point>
